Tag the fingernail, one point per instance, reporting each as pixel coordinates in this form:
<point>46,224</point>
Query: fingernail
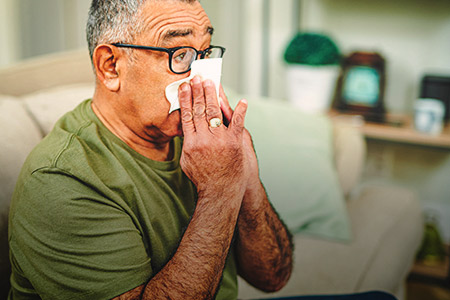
<point>207,83</point>
<point>184,87</point>
<point>196,80</point>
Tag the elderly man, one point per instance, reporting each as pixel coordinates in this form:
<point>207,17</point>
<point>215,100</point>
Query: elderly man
<point>115,204</point>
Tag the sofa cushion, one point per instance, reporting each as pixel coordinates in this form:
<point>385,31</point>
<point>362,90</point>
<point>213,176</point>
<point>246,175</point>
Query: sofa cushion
<point>19,134</point>
<point>47,106</point>
<point>387,228</point>
<point>295,154</point>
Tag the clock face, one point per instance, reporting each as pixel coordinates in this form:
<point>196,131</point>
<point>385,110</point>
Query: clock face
<point>362,86</point>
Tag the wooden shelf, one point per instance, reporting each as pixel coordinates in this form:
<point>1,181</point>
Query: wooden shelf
<point>439,272</point>
<point>400,128</point>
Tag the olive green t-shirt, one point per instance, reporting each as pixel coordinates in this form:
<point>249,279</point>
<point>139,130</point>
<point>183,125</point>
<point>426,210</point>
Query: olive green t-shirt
<point>91,218</point>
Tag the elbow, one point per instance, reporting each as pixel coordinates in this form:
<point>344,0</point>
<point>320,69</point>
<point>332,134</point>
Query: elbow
<point>277,281</point>
<point>280,274</point>
<point>270,281</point>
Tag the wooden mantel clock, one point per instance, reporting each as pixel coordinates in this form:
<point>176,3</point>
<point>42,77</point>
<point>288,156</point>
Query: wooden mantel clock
<point>360,87</point>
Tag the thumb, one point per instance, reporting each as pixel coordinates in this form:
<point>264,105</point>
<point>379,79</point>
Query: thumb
<point>238,118</point>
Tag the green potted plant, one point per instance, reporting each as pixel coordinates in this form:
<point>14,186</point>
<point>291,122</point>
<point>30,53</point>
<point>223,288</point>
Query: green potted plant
<point>312,71</point>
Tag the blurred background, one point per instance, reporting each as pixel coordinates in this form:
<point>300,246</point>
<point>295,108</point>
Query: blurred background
<point>413,36</point>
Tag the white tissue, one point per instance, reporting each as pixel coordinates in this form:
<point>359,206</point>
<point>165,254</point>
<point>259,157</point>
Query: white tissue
<point>210,68</point>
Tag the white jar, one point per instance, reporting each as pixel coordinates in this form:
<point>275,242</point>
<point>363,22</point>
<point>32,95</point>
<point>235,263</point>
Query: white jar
<point>429,115</point>
<point>311,88</point>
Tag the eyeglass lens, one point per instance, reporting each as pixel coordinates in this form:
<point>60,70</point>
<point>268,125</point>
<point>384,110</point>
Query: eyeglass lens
<point>183,58</point>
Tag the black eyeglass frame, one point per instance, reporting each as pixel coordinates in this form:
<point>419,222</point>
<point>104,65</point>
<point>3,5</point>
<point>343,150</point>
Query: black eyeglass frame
<point>171,51</point>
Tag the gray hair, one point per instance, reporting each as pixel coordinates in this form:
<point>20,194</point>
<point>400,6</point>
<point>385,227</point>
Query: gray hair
<point>114,21</point>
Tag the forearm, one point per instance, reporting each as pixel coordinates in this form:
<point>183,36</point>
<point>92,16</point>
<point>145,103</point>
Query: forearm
<point>264,244</point>
<point>195,270</point>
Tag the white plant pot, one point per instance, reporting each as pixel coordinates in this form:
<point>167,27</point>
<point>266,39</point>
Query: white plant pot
<point>311,88</point>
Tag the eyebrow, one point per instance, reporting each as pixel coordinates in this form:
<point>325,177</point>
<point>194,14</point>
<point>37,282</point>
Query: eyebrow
<point>183,32</point>
<point>177,33</point>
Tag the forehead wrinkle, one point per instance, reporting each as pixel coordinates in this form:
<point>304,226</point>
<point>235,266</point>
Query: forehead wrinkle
<point>162,24</point>
<point>163,32</point>
<point>177,13</point>
<point>167,29</point>
<point>161,21</point>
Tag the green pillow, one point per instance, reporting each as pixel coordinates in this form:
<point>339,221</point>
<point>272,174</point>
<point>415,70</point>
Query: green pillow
<point>295,154</point>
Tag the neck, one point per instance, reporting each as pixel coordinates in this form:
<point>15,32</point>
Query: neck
<point>155,151</point>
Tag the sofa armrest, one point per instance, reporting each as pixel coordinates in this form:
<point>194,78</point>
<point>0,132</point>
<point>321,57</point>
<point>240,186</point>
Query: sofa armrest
<point>349,154</point>
<point>47,71</point>
<point>396,216</point>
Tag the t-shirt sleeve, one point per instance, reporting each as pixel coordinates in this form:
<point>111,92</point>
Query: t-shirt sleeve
<point>72,241</point>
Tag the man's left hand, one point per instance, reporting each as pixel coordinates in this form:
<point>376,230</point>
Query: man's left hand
<point>250,154</point>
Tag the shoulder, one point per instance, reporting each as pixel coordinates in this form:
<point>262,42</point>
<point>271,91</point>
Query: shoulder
<point>72,136</point>
<point>56,146</point>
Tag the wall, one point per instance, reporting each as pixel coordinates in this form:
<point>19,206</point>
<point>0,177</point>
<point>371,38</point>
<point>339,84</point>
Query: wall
<point>413,36</point>
<point>29,28</point>
<point>34,28</point>
<point>244,27</point>
<point>281,30</point>
<point>41,27</point>
<point>9,35</point>
<point>75,17</point>
<point>226,18</point>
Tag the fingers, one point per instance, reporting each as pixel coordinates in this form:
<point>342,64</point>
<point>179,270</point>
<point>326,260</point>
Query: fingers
<point>184,95</point>
<point>225,106</point>
<point>238,119</point>
<point>199,105</point>
<point>212,105</point>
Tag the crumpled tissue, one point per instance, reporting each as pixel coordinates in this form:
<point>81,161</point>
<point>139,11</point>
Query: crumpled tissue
<point>210,68</point>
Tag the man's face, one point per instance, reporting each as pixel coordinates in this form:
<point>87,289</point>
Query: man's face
<point>168,24</point>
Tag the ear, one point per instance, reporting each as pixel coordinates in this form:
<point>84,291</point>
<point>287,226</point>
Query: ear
<point>105,60</point>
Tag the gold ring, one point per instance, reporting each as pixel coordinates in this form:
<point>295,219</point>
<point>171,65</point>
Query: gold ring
<point>215,122</point>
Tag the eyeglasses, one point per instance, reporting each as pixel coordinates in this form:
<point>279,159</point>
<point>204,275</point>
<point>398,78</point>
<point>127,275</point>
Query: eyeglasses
<point>181,58</point>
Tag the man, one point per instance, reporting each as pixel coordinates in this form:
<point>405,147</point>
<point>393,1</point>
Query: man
<point>115,204</point>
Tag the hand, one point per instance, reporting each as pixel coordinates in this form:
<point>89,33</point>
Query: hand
<point>250,155</point>
<point>213,158</point>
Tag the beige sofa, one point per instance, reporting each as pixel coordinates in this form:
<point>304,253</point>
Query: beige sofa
<point>386,222</point>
